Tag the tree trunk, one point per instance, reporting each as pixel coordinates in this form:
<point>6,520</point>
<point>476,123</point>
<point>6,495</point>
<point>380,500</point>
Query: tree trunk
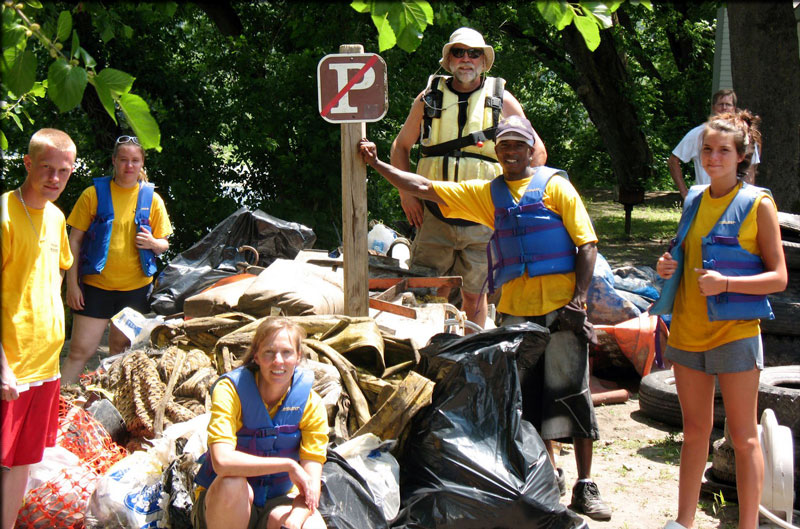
<point>603,87</point>
<point>765,63</point>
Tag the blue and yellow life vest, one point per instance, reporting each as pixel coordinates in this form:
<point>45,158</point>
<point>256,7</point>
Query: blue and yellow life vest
<point>94,249</point>
<point>722,252</point>
<point>527,235</point>
<point>265,436</point>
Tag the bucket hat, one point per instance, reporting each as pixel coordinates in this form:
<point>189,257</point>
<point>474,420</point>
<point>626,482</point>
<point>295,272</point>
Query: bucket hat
<point>472,39</point>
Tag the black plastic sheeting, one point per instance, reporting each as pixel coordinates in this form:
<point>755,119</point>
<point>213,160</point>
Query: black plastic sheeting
<point>470,461</point>
<point>345,500</point>
<point>215,255</point>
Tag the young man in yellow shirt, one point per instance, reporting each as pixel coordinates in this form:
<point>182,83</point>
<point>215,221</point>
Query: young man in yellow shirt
<point>546,261</point>
<point>36,253</point>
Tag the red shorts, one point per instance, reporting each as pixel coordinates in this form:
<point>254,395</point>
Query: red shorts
<point>29,424</point>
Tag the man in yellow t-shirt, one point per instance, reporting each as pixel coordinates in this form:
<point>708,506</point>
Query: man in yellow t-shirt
<point>556,397</point>
<point>35,252</point>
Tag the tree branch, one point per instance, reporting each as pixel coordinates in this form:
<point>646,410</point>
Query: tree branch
<point>545,52</point>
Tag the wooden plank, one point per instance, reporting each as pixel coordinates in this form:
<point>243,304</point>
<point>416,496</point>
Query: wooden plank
<point>390,293</point>
<point>382,283</point>
<point>400,310</point>
<point>354,213</point>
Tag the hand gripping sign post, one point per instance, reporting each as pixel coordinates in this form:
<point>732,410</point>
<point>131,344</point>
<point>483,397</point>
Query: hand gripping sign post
<point>352,91</point>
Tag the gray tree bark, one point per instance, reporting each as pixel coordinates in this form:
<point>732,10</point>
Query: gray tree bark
<point>765,62</point>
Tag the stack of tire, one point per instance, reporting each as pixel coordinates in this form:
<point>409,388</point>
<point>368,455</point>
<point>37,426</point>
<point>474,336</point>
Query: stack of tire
<point>779,387</point>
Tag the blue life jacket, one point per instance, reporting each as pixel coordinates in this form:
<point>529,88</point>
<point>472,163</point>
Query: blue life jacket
<point>265,436</point>
<point>722,252</point>
<point>527,235</point>
<point>94,249</point>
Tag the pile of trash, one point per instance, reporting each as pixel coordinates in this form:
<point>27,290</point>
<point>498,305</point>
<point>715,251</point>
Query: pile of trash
<point>416,437</point>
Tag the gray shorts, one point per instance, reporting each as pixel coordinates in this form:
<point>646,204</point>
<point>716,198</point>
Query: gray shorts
<point>734,357</point>
<point>555,392</point>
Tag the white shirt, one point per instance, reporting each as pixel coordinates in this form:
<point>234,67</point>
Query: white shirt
<point>689,149</point>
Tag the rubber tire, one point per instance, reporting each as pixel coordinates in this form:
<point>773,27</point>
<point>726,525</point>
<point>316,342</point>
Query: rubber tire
<point>658,399</point>
<point>784,401</point>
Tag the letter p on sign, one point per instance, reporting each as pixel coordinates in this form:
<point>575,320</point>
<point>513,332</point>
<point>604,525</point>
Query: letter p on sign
<point>352,87</point>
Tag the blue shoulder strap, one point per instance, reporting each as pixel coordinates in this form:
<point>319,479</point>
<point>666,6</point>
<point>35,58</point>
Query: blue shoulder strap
<point>663,305</point>
<point>143,202</point>
<point>254,412</point>
<point>729,223</point>
<point>291,411</point>
<point>501,195</point>
<point>105,206</point>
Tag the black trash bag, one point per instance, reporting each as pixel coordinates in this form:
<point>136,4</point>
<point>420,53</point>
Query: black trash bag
<point>345,500</point>
<point>178,489</point>
<point>215,255</point>
<point>470,461</point>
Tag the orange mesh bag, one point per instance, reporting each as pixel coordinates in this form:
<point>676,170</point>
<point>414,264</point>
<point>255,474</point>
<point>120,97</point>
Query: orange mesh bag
<point>60,502</point>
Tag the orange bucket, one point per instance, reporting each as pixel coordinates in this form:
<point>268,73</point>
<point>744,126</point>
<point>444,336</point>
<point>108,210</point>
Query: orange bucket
<point>638,339</point>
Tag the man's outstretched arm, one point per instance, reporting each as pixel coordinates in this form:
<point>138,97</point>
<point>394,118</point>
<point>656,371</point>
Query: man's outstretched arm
<point>411,183</point>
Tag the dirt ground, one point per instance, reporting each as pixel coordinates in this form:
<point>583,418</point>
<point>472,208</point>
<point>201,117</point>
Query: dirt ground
<point>635,467</point>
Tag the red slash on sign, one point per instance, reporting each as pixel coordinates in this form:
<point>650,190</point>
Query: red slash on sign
<point>356,78</point>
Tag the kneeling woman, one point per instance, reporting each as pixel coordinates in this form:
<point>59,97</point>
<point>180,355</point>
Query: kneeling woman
<point>266,439</point>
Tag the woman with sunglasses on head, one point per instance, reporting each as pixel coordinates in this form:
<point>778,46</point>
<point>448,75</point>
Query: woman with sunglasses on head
<point>266,439</point>
<point>118,227</point>
<point>725,260</point>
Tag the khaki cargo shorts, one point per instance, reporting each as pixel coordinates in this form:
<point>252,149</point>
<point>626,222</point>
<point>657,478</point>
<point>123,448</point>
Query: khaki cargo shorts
<point>453,250</point>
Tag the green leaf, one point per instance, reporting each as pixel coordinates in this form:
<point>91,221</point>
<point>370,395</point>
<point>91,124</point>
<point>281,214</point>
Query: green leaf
<point>3,141</point>
<point>22,72</point>
<point>414,14</point>
<point>386,37</point>
<point>599,11</point>
<point>36,4</point>
<point>16,120</point>
<point>104,94</point>
<point>117,81</point>
<point>88,60</point>
<point>66,84</point>
<point>613,6</point>
<point>381,9</point>
<point>38,90</point>
<point>107,33</point>
<point>141,121</point>
<point>589,30</point>
<point>360,6</point>
<point>76,46</point>
<point>127,31</point>
<point>14,36</point>
<point>558,14</point>
<point>64,26</point>
<point>645,3</point>
<point>409,38</point>
<point>427,9</point>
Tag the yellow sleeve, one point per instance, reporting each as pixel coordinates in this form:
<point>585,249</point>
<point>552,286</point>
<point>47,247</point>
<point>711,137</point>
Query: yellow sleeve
<point>314,430</point>
<point>66,258</point>
<point>226,414</point>
<point>562,198</point>
<point>159,219</point>
<point>84,210</point>
<point>470,200</point>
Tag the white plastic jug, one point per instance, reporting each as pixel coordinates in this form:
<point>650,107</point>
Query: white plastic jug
<point>379,238</point>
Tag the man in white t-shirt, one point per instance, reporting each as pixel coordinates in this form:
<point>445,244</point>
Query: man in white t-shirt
<point>689,147</point>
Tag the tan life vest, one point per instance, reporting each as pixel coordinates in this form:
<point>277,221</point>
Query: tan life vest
<point>444,153</point>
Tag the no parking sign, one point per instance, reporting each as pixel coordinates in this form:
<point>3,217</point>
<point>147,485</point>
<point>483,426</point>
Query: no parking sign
<point>352,87</point>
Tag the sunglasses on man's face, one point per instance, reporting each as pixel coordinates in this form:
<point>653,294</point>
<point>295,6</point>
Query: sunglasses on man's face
<point>128,139</point>
<point>472,53</point>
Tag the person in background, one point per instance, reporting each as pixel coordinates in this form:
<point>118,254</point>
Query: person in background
<point>727,257</point>
<point>544,251</point>
<point>118,227</point>
<point>35,254</point>
<point>689,147</point>
<point>266,439</point>
<point>454,120</point>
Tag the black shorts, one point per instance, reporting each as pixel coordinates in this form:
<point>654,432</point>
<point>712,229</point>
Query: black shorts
<point>104,304</point>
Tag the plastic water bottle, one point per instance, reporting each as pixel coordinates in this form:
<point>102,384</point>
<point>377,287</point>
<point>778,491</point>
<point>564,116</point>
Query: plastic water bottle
<point>379,238</point>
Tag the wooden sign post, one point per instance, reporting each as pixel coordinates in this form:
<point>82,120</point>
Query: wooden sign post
<point>352,91</point>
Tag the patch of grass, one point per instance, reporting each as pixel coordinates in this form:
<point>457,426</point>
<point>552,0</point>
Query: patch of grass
<point>666,450</point>
<point>653,224</point>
